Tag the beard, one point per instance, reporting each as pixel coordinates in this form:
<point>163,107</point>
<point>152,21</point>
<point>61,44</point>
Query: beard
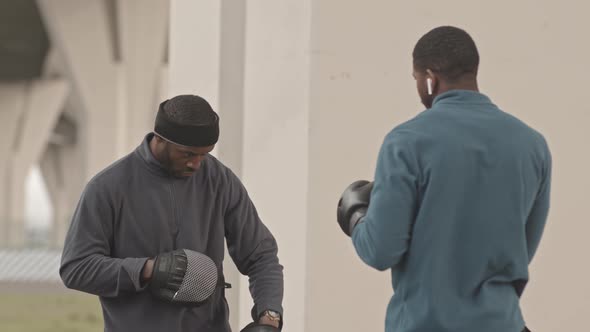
<point>167,162</point>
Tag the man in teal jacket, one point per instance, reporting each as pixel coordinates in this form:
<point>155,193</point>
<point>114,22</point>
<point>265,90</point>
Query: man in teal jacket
<point>458,204</point>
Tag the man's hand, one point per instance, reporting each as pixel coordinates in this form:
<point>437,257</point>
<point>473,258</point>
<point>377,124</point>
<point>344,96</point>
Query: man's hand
<point>147,271</point>
<point>267,321</point>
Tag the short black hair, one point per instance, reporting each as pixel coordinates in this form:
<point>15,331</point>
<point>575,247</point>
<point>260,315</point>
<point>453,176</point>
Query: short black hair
<point>190,110</point>
<point>448,51</point>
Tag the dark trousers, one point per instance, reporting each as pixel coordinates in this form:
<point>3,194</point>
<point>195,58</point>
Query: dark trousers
<point>526,329</point>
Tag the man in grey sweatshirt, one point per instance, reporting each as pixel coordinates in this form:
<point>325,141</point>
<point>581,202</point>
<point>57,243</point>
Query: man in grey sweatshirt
<point>166,195</point>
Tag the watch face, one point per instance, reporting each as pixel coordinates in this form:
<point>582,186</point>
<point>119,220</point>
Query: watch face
<point>273,314</point>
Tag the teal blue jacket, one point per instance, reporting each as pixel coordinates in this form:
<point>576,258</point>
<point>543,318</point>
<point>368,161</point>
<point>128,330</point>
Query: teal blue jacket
<point>457,211</point>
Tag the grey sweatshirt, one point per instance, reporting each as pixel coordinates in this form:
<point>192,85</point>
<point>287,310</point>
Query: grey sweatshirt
<point>134,210</point>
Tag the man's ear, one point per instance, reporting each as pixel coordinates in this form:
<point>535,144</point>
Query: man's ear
<point>159,141</point>
<point>431,81</point>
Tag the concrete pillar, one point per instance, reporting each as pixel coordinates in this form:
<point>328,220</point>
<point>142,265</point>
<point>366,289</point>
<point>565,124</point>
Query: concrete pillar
<point>163,82</point>
<point>143,30</point>
<point>316,109</point>
<point>276,145</point>
<point>81,32</point>
<point>44,101</point>
<point>51,169</point>
<point>361,87</point>
<point>12,106</point>
<point>64,184</point>
<point>195,32</point>
<point>231,83</point>
<point>60,167</point>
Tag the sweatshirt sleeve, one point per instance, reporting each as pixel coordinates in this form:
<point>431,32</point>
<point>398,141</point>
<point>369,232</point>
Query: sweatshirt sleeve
<point>537,218</point>
<point>86,264</point>
<point>383,236</point>
<point>253,249</point>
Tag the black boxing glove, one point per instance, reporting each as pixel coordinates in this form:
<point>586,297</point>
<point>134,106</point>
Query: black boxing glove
<point>184,277</point>
<point>353,205</point>
<point>255,327</point>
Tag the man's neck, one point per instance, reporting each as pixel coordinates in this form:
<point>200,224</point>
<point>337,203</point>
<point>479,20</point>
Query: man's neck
<point>460,85</point>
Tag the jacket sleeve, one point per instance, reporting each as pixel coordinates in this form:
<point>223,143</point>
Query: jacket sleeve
<point>85,262</point>
<point>253,249</point>
<point>537,218</point>
<point>383,236</point>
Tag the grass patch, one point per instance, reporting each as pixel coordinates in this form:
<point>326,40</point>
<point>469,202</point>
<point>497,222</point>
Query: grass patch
<point>66,311</point>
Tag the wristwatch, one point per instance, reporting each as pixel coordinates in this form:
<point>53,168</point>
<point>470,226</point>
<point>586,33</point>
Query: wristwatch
<point>272,315</point>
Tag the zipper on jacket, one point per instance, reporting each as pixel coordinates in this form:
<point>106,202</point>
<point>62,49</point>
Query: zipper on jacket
<point>174,216</point>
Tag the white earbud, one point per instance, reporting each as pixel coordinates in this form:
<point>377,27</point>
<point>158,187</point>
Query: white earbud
<point>429,85</point>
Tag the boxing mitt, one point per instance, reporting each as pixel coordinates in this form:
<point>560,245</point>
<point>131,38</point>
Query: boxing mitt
<point>255,327</point>
<point>184,277</point>
<point>353,205</point>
